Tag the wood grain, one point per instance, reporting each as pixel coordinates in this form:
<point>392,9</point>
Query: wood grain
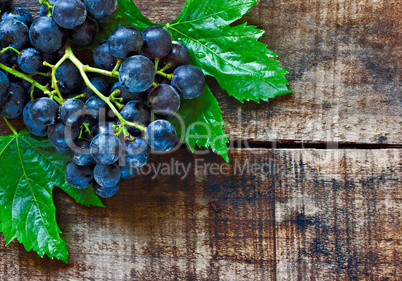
<point>310,215</point>
<point>338,215</point>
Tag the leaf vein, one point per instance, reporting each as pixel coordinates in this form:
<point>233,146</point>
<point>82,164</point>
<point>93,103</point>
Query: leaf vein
<point>228,62</point>
<point>205,17</point>
<point>1,153</point>
<point>43,156</point>
<point>33,194</point>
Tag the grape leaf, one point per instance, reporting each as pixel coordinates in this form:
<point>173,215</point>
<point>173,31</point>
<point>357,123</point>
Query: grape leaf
<point>244,67</point>
<point>30,167</point>
<point>203,122</point>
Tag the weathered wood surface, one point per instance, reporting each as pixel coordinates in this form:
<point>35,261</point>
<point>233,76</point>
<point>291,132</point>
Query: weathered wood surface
<point>320,215</point>
<point>344,59</point>
<point>305,215</point>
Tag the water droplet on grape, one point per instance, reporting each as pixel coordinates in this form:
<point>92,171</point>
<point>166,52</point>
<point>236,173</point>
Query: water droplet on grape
<point>200,55</point>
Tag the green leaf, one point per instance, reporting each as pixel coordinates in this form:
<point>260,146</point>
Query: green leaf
<point>244,67</point>
<point>200,124</point>
<point>30,167</point>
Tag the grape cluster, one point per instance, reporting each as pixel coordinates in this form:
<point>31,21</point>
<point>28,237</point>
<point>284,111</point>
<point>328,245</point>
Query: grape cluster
<point>109,130</point>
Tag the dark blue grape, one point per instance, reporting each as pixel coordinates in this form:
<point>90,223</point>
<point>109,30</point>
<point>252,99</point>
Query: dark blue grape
<point>71,111</point>
<point>9,58</point>
<point>126,94</point>
<point>5,4</point>
<point>4,88</point>
<point>80,153</point>
<point>127,172</point>
<point>135,153</point>
<point>14,105</point>
<point>37,130</point>
<point>69,77</point>
<point>178,55</point>
<point>85,33</point>
<point>100,84</point>
<point>137,112</point>
<point>189,80</point>
<point>105,148</point>
<point>62,136</point>
<point>137,73</point>
<point>69,13</point>
<point>20,14</point>
<point>103,58</point>
<point>107,174</point>
<point>102,128</point>
<point>95,106</point>
<point>101,10</point>
<point>43,11</point>
<point>125,41</point>
<point>161,135</point>
<point>13,33</point>
<point>79,176</point>
<point>164,101</point>
<point>44,111</point>
<point>157,42</point>
<point>46,36</point>
<point>30,60</point>
<point>105,192</point>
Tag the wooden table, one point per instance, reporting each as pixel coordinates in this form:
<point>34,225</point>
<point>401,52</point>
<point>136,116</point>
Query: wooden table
<point>327,206</point>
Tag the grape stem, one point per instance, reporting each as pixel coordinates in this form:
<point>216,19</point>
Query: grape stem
<point>83,68</point>
<point>9,125</point>
<point>28,78</point>
<point>55,83</point>
<point>161,73</point>
<point>116,68</point>
<point>82,96</point>
<point>156,64</point>
<point>167,66</point>
<point>116,101</point>
<point>87,68</point>
<point>10,48</point>
<point>48,5</point>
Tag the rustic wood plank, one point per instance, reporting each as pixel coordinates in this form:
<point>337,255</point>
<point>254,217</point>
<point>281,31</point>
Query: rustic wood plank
<point>345,71</point>
<point>164,228</point>
<point>338,215</point>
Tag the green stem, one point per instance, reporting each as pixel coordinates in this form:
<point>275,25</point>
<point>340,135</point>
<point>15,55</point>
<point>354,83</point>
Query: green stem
<point>154,84</point>
<point>156,64</point>
<point>82,68</point>
<point>28,78</point>
<point>55,83</point>
<point>10,48</point>
<point>87,129</point>
<point>32,92</point>
<point>79,97</point>
<point>9,125</point>
<point>48,5</point>
<point>116,68</point>
<point>161,73</point>
<point>167,66</point>
<point>116,101</point>
<point>88,68</point>
<point>42,74</point>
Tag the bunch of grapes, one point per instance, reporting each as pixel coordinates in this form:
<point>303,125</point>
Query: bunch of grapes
<point>108,129</point>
